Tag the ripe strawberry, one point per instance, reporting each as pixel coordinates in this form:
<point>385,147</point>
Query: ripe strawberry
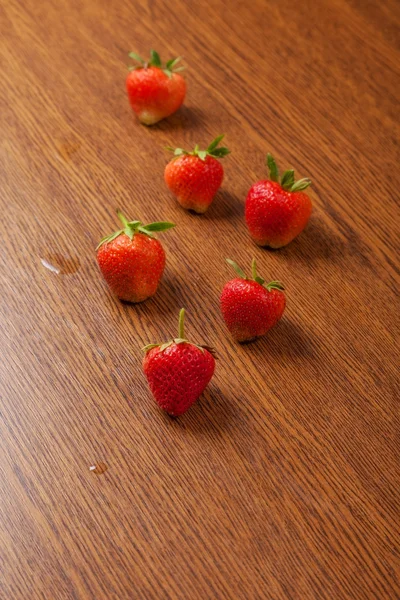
<point>277,210</point>
<point>131,260</point>
<point>250,307</point>
<point>178,371</point>
<point>195,177</point>
<point>154,91</point>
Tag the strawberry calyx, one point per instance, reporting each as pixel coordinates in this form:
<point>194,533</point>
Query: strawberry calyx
<point>287,181</point>
<point>180,339</point>
<point>155,61</point>
<point>132,227</point>
<point>211,150</point>
<point>272,285</point>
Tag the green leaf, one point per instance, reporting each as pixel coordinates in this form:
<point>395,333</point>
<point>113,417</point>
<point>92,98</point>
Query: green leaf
<point>237,268</point>
<point>179,151</point>
<point>159,226</point>
<point>179,69</point>
<point>273,168</point>
<point>202,154</point>
<point>274,285</point>
<point>130,232</point>
<point>171,63</point>
<point>209,349</point>
<point>259,280</point>
<point>155,60</point>
<point>215,143</point>
<point>220,152</point>
<point>144,230</point>
<point>150,347</point>
<point>109,238</point>
<point>133,224</point>
<point>287,179</point>
<point>300,185</point>
<point>135,56</point>
<point>114,235</point>
<point>168,73</point>
<point>166,345</point>
<point>122,218</point>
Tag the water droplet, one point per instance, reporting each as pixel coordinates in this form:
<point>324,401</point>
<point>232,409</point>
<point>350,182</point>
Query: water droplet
<point>99,468</point>
<point>59,264</point>
<point>66,149</point>
<point>49,266</point>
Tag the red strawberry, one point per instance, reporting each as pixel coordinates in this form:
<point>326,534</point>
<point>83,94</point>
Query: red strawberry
<point>178,371</point>
<point>154,91</point>
<point>250,307</point>
<point>195,177</point>
<point>132,260</point>
<point>277,211</point>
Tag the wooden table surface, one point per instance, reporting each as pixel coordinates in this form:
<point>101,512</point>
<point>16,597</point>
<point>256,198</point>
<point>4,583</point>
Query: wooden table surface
<point>282,482</point>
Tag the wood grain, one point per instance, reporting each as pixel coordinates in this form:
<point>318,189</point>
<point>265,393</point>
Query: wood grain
<point>283,481</point>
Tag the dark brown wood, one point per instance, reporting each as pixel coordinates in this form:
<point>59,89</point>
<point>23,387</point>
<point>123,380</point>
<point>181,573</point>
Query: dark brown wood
<point>282,482</point>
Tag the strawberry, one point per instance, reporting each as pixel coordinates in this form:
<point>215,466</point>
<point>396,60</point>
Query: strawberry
<point>154,91</point>
<point>250,307</point>
<point>195,177</point>
<point>131,260</point>
<point>277,210</point>
<point>178,371</point>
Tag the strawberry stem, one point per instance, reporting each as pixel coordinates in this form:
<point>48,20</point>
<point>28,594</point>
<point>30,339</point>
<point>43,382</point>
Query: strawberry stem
<point>254,268</point>
<point>180,339</point>
<point>181,329</point>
